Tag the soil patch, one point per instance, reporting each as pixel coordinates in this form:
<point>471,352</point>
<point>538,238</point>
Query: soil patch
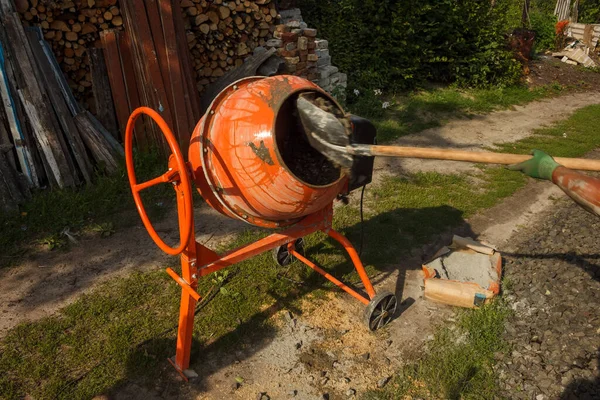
<point>548,70</point>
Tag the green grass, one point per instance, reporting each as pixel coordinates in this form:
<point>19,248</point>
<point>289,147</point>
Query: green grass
<point>432,108</point>
<point>124,330</point>
<point>460,360</point>
<point>121,330</point>
<point>42,219</point>
<point>570,138</point>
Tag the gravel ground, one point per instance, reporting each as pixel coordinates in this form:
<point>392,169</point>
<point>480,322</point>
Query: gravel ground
<point>553,272</point>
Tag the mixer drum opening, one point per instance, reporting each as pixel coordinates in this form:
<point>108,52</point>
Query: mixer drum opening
<point>305,162</point>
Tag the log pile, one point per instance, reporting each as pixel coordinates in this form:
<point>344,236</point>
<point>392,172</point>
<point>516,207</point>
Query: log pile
<point>71,27</point>
<point>46,139</point>
<point>221,34</point>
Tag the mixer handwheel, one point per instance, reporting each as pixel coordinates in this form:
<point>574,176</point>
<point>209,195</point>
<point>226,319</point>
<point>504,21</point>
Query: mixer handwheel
<point>380,310</point>
<point>282,256</point>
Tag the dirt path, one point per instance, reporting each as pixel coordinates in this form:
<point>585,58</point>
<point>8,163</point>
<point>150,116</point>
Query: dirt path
<point>484,131</point>
<point>48,280</point>
<point>327,349</point>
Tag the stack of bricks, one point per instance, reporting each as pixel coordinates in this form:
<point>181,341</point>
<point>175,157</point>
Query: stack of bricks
<point>304,54</point>
<point>297,48</point>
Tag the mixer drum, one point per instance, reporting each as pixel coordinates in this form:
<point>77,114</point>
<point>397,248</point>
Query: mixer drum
<point>250,157</point>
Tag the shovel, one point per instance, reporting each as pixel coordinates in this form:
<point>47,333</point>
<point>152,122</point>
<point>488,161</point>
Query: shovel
<point>329,136</point>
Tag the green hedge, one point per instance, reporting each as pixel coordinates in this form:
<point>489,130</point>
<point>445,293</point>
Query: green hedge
<point>589,12</point>
<point>398,44</point>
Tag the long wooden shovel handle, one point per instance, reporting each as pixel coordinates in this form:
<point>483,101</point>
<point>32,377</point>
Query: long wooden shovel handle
<point>470,156</point>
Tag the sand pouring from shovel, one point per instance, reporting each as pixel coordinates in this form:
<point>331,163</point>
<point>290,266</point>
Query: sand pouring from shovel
<point>329,136</point>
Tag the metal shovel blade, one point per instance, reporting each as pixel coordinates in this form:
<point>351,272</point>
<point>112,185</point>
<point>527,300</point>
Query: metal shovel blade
<point>325,132</point>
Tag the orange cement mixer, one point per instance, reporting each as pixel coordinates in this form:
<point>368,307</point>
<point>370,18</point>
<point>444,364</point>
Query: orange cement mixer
<point>250,160</point>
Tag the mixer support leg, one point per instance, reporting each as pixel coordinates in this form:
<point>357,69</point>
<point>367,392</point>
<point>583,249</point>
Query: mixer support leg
<point>355,260</point>
<point>187,307</point>
<point>330,277</point>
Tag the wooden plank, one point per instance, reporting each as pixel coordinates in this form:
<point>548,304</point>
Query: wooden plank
<point>37,105</point>
<point>24,156</point>
<point>72,103</point>
<point>97,144</point>
<point>27,137</point>
<point>116,146</point>
<point>60,107</point>
<point>105,109</point>
<point>146,64</point>
<point>141,132</point>
<point>6,7</point>
<point>6,146</point>
<point>114,71</point>
<point>158,39</point>
<point>52,165</point>
<point>12,190</point>
<point>588,35</point>
<point>174,81</point>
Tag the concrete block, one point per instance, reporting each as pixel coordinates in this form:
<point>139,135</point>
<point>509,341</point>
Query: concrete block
<point>323,61</point>
<point>327,71</point>
<point>293,24</point>
<point>314,57</point>
<point>321,43</point>
<point>291,13</point>
<point>274,43</point>
<point>322,52</point>
<point>324,82</point>
<point>291,46</point>
<point>343,77</point>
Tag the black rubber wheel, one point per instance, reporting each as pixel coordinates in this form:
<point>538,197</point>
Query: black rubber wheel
<point>381,310</point>
<point>283,257</point>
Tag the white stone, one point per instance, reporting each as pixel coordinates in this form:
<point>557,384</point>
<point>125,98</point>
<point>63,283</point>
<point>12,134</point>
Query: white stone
<point>327,71</point>
<point>321,44</point>
<point>322,52</point>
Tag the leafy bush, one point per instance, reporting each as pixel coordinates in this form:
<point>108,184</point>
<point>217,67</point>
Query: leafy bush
<point>589,12</point>
<point>397,45</point>
<point>544,27</point>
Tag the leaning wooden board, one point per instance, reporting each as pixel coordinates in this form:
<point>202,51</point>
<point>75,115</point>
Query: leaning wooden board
<point>37,105</point>
<point>60,106</point>
<point>24,156</point>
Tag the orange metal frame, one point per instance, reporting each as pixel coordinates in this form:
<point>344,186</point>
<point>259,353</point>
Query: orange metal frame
<point>198,260</point>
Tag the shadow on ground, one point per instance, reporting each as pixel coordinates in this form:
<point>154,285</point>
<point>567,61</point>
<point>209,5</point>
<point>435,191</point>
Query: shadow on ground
<point>253,335</point>
<point>583,389</point>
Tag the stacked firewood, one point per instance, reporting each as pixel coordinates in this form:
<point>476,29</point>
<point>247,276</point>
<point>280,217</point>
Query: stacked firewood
<point>221,34</point>
<point>71,27</point>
